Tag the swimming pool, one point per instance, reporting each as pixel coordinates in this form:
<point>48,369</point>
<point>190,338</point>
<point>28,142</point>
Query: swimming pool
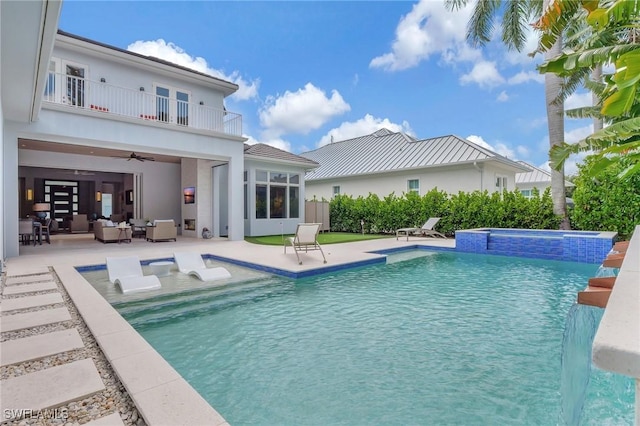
<point>439,338</point>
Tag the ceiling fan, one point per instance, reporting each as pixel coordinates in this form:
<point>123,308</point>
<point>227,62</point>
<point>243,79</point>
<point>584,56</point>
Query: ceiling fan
<point>135,156</point>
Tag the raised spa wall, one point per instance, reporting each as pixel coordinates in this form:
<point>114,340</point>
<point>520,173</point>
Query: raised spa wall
<point>573,246</point>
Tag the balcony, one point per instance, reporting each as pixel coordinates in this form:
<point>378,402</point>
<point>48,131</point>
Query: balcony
<point>100,97</point>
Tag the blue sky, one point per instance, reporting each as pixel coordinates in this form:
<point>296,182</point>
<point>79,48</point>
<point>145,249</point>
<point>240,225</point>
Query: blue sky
<point>309,71</point>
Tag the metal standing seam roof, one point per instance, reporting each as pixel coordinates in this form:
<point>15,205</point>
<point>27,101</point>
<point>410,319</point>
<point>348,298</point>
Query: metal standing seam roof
<point>261,150</point>
<point>536,175</point>
<point>385,151</point>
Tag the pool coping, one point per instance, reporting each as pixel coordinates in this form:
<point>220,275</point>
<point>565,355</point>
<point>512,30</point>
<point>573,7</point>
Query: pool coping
<point>616,346</point>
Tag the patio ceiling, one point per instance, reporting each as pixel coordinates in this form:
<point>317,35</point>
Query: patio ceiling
<point>38,145</point>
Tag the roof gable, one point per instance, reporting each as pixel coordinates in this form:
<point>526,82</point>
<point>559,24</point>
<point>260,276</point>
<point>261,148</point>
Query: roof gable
<point>385,151</point>
<point>268,152</point>
<point>536,175</point>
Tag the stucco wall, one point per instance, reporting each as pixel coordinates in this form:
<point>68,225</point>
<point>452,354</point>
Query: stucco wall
<point>465,178</point>
<point>122,74</point>
<point>277,226</point>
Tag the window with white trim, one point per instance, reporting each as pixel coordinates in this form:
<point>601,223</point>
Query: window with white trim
<point>336,190</point>
<point>527,193</point>
<point>277,195</point>
<point>413,185</point>
<point>501,183</point>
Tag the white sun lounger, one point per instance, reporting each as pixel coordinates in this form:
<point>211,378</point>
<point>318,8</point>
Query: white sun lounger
<point>426,230</point>
<point>306,238</point>
<point>126,272</point>
<point>191,263</point>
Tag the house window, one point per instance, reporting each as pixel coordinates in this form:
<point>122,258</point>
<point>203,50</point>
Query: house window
<point>261,201</point>
<point>413,185</point>
<point>501,183</point>
<point>75,75</point>
<point>277,195</point>
<point>526,193</point>
<point>172,104</point>
<point>336,190</point>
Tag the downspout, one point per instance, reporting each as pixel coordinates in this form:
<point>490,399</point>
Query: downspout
<point>478,168</point>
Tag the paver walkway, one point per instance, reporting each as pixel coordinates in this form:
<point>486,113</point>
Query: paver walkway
<point>28,302</point>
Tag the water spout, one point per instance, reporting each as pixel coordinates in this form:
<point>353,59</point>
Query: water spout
<point>604,271</point>
<point>580,329</point>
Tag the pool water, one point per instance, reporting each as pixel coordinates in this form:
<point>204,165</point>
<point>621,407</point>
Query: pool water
<point>435,338</point>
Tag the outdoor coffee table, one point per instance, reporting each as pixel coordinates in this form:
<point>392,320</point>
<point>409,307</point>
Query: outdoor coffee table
<point>161,268</point>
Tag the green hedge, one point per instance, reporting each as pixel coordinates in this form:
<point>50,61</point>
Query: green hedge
<point>458,211</point>
<point>606,203</point>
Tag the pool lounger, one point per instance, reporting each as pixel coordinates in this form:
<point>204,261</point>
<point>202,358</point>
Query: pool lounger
<point>191,263</point>
<point>126,272</point>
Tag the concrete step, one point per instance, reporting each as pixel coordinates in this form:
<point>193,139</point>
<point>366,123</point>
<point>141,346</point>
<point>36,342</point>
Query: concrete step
<point>30,301</point>
<point>33,319</point>
<point>29,288</point>
<point>49,388</point>
<point>40,346</point>
<point>29,279</point>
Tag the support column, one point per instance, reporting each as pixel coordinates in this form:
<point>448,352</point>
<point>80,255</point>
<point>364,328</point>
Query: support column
<point>236,198</point>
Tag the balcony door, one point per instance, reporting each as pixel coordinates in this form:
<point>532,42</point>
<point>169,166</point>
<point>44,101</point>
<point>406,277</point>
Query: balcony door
<point>74,75</point>
<point>172,104</point>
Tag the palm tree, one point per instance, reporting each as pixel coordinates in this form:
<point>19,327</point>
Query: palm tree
<point>516,17</point>
<point>614,26</point>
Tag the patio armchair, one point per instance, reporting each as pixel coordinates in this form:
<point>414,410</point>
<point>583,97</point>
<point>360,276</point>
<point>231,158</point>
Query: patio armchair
<point>79,223</point>
<point>138,227</point>
<point>162,230</point>
<point>108,232</point>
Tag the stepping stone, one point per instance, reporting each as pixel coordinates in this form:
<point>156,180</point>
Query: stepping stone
<point>30,301</point>
<point>110,420</point>
<point>40,346</point>
<point>33,319</point>
<point>28,279</point>
<point>28,288</point>
<point>49,388</point>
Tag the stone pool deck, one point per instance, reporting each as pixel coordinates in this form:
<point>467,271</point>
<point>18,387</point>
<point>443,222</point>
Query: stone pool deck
<point>67,353</point>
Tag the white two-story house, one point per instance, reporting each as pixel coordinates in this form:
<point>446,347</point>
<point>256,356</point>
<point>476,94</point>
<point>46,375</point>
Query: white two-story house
<point>86,125</point>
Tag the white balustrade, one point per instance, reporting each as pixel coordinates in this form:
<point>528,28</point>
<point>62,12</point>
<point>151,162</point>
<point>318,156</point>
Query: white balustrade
<point>108,99</point>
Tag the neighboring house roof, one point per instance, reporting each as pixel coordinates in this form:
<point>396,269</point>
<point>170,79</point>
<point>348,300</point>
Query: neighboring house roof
<point>536,175</point>
<point>232,87</point>
<point>261,151</point>
<point>386,151</point>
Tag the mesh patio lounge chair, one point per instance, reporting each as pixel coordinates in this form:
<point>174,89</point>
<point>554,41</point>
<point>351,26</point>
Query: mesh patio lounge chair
<point>306,239</point>
<point>426,230</point>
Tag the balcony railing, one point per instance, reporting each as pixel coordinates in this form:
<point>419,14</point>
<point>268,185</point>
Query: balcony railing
<point>105,98</point>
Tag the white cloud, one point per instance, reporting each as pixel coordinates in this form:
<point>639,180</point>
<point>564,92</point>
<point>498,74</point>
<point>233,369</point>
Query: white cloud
<point>277,143</point>
<point>578,100</point>
<point>484,73</point>
<point>525,77</point>
<point>428,29</point>
<point>175,54</point>
<point>499,148</point>
<point>578,134</point>
<point>365,126</point>
<point>300,112</point>
<point>502,97</point>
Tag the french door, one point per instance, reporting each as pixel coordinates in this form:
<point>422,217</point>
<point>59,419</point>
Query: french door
<point>172,104</point>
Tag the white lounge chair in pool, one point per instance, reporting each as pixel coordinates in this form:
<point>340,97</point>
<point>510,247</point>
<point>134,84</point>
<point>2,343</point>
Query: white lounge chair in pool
<point>426,230</point>
<point>126,272</point>
<point>306,239</point>
<point>191,263</point>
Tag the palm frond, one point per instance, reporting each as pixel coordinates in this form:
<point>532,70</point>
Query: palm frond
<point>481,24</point>
<point>514,24</point>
